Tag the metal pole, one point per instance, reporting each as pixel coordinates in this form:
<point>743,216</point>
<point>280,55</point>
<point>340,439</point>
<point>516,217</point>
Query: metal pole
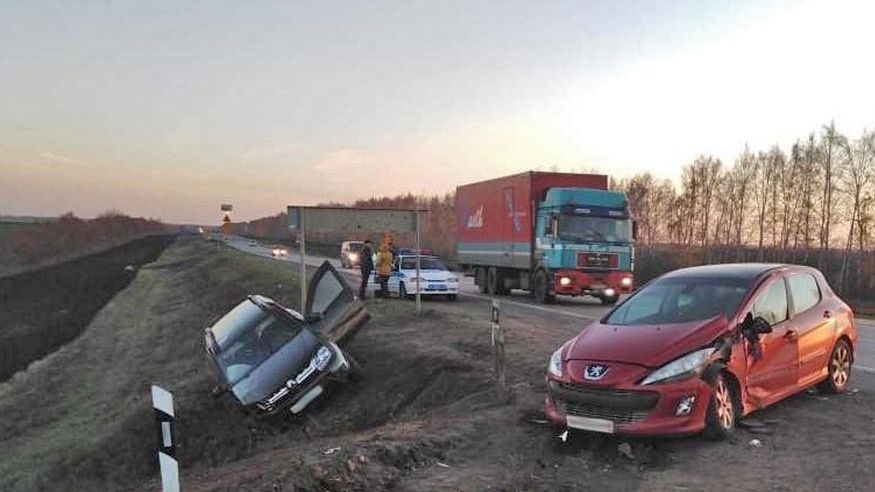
<point>418,257</point>
<point>303,265</point>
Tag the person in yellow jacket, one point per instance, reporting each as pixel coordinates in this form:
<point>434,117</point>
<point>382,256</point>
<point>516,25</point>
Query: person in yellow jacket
<point>384,268</point>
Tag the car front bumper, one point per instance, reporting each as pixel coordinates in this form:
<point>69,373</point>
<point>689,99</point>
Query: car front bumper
<point>628,409</point>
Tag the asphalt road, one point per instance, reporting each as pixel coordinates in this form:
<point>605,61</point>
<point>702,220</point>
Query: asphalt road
<point>575,310</point>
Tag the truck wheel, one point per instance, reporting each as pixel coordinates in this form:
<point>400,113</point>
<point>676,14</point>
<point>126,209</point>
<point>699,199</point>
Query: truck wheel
<point>609,301</point>
<point>481,279</point>
<point>541,288</point>
<point>492,281</point>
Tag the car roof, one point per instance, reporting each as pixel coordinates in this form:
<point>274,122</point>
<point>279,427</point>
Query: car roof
<point>746,271</point>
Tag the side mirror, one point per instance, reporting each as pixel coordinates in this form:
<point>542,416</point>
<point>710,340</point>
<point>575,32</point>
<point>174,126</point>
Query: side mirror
<point>761,326</point>
<point>752,327</point>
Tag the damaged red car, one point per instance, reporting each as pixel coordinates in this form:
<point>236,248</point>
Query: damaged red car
<point>698,348</point>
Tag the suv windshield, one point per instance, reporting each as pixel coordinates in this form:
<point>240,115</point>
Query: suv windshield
<point>425,263</point>
<point>581,229</point>
<point>681,300</point>
<point>249,337</point>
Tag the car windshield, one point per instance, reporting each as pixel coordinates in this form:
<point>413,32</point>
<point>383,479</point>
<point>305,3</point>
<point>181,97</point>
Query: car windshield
<point>681,300</point>
<point>355,247</point>
<point>256,335</point>
<point>583,229</point>
<point>425,263</point>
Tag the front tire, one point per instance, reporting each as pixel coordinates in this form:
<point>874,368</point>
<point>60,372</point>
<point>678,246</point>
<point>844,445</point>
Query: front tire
<point>838,368</point>
<point>541,288</point>
<point>722,410</point>
<point>402,291</point>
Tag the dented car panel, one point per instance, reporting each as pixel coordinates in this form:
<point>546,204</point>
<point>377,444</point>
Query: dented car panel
<point>749,335</point>
<point>275,360</point>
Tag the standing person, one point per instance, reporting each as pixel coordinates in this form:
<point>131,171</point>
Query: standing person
<point>367,266</point>
<point>384,268</point>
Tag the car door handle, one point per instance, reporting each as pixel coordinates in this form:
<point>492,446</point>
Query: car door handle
<point>790,334</point>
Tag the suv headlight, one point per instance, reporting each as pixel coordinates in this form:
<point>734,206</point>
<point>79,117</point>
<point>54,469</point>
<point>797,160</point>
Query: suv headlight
<point>322,358</point>
<point>555,366</point>
<point>689,365</point>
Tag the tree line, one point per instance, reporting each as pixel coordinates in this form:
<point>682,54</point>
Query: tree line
<point>813,203</point>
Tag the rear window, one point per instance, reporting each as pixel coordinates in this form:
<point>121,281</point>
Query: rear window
<point>803,288</point>
<point>681,300</point>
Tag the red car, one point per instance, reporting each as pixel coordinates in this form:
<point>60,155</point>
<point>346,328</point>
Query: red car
<point>697,348</point>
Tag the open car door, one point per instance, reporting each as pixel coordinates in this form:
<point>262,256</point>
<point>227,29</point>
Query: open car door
<point>332,307</point>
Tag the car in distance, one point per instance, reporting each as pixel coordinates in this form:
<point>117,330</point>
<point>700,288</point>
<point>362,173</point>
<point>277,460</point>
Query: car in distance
<point>279,252</point>
<point>275,360</point>
<point>435,279</point>
<point>351,253</point>
<point>697,348</point>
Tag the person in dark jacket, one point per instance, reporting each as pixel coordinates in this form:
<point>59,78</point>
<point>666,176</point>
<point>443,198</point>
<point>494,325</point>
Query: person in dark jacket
<point>367,266</point>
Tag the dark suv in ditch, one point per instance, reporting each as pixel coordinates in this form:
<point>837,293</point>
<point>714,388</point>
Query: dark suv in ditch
<point>275,360</point>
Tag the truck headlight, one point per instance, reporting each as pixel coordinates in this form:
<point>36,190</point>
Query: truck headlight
<point>626,282</point>
<point>565,281</point>
<point>555,366</point>
<point>689,365</point>
<point>609,292</point>
<point>322,358</point>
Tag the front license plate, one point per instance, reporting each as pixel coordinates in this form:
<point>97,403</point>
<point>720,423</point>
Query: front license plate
<point>590,424</point>
<point>436,287</point>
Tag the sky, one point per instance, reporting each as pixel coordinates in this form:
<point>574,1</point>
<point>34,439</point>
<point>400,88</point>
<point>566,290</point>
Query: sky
<point>167,109</point>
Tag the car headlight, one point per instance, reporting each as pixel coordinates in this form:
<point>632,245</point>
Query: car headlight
<point>322,358</point>
<point>626,282</point>
<point>555,366</point>
<point>689,365</point>
<point>413,279</point>
<point>353,257</point>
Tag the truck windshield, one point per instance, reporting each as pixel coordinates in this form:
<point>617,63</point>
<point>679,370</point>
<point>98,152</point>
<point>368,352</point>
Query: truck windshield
<point>261,336</point>
<point>582,229</point>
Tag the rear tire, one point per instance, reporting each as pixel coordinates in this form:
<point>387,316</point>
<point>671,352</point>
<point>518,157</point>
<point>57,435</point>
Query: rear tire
<point>541,288</point>
<point>481,279</point>
<point>838,368</point>
<point>722,412</point>
<point>492,281</point>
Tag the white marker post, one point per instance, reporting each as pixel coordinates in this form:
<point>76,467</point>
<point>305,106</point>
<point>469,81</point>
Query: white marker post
<point>498,349</point>
<point>162,402</point>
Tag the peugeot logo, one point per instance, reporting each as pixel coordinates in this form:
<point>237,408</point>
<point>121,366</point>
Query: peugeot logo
<point>595,372</point>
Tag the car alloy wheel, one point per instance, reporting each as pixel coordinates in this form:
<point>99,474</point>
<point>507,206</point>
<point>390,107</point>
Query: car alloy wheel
<point>839,369</point>
<point>723,401</point>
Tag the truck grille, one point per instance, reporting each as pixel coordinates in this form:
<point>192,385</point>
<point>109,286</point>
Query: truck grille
<point>605,261</point>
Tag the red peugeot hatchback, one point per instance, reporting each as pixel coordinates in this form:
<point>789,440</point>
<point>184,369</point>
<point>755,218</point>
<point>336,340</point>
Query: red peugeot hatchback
<point>697,348</point>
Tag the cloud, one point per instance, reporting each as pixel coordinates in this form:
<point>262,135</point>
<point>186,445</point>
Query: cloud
<point>49,156</point>
<point>272,151</point>
<point>340,161</point>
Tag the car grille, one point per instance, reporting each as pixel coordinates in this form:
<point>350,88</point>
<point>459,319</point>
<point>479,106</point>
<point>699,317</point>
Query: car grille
<point>617,405</point>
<point>598,260</point>
<point>615,415</point>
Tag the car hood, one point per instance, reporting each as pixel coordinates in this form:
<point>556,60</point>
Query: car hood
<point>434,275</point>
<point>284,364</point>
<point>645,345</point>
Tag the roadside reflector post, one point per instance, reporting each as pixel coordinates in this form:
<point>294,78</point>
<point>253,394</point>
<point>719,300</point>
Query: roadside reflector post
<point>162,402</point>
<point>499,352</point>
<point>418,267</point>
<point>303,247</point>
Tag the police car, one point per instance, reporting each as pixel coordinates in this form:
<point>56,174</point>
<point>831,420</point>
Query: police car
<point>434,278</point>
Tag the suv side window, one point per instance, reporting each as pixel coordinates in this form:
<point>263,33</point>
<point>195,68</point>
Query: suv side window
<point>803,288</point>
<point>771,303</point>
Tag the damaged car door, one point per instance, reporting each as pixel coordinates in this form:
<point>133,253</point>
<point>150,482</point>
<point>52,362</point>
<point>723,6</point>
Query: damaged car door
<point>773,365</point>
<point>332,307</point>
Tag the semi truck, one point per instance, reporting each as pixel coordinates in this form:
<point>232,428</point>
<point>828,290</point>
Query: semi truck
<point>548,233</point>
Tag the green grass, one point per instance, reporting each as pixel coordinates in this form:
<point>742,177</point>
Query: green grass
<point>81,419</point>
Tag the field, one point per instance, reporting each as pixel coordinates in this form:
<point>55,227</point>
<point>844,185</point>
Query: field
<point>424,417</point>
